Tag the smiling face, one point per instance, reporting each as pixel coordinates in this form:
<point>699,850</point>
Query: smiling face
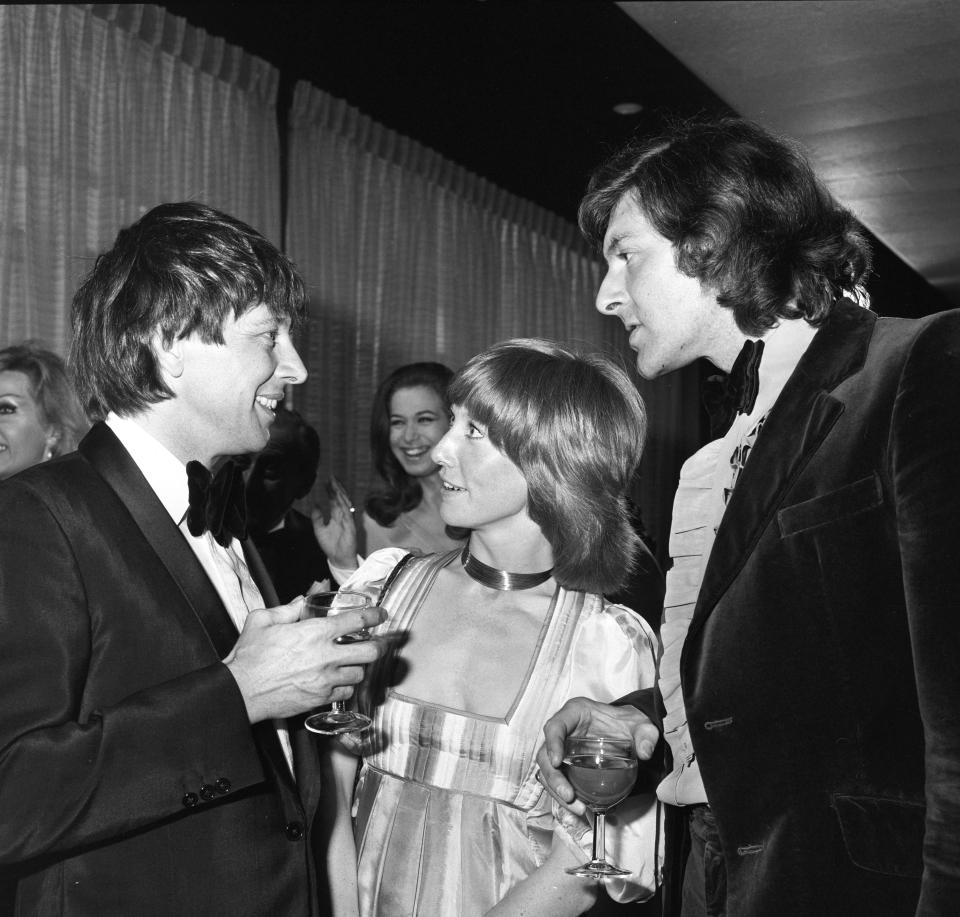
<point>226,395</point>
<point>25,436</point>
<point>482,487</point>
<point>418,421</point>
<point>670,318</point>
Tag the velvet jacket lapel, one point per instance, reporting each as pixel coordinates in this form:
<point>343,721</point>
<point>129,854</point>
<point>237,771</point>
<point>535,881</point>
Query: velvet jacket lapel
<point>802,417</point>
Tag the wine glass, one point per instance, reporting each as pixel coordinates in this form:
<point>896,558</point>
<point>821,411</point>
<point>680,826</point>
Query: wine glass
<point>338,719</point>
<point>602,771</point>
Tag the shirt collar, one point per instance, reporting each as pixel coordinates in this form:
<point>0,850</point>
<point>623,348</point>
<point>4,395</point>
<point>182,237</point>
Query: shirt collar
<point>783,346</point>
<point>164,472</point>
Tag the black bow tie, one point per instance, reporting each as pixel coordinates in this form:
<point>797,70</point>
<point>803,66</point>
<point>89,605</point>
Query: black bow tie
<point>726,396</point>
<point>217,502</point>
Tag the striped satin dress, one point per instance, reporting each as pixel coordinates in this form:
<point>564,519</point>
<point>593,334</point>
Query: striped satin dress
<point>448,812</point>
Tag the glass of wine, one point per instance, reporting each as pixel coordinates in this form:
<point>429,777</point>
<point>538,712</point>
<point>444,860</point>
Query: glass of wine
<point>602,771</point>
<point>338,719</point>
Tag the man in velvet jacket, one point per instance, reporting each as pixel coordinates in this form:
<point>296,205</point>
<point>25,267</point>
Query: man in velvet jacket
<point>151,762</point>
<point>808,687</point>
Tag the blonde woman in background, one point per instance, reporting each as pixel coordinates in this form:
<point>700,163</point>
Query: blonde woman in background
<point>40,414</point>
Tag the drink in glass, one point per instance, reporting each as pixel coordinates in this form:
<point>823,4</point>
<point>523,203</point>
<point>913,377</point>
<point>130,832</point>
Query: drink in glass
<point>602,771</point>
<point>338,719</point>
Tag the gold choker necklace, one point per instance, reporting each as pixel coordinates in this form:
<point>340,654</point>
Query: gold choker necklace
<point>500,579</point>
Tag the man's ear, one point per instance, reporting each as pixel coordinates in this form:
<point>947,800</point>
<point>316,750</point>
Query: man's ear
<point>169,356</point>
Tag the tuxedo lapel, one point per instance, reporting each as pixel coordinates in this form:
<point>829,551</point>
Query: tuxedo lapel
<point>796,426</point>
<point>106,454</point>
<point>261,576</point>
<point>305,761</point>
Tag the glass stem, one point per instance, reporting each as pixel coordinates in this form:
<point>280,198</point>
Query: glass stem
<point>599,842</point>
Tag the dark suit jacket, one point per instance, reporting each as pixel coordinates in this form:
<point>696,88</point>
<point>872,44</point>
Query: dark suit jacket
<point>131,782</point>
<point>820,670</point>
<point>292,556</point>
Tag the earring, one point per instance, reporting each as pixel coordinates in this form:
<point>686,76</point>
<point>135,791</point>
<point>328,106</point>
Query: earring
<point>52,440</point>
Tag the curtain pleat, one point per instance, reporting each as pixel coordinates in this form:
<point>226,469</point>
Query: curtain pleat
<point>110,109</point>
<point>411,257</point>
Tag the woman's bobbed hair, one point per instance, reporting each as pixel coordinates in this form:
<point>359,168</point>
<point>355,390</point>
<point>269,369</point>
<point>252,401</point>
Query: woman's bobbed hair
<point>574,425</point>
<point>746,215</point>
<point>398,491</point>
<point>53,391</point>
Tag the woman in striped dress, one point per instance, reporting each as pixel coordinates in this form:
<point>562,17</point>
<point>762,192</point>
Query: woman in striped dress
<point>487,642</point>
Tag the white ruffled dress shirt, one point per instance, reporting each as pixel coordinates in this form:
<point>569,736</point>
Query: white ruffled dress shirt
<point>697,510</point>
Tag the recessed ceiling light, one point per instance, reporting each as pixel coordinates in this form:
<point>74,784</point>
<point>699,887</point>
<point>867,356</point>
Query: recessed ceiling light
<point>628,108</point>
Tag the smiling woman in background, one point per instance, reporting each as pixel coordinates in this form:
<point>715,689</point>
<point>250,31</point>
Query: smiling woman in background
<point>40,415</point>
<point>409,417</point>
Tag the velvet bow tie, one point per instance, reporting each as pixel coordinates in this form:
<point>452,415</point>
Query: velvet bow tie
<point>217,502</point>
<point>726,396</point>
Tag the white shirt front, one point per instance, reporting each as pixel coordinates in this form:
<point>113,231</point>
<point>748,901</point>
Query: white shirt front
<point>697,510</point>
<point>225,567</point>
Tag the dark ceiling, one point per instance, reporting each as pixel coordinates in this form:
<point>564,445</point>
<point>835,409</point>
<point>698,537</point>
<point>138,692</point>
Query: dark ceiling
<point>518,91</point>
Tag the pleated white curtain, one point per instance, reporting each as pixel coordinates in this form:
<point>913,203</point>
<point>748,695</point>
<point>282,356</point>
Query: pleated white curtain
<point>410,257</point>
<point>108,110</point>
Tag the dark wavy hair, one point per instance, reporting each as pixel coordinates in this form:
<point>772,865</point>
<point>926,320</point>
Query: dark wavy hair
<point>52,390</point>
<point>181,268</point>
<point>574,424</point>
<point>746,214</point>
<point>399,492</point>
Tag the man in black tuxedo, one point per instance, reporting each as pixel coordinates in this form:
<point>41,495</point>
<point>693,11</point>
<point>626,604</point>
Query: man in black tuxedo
<point>808,688</point>
<point>152,756</point>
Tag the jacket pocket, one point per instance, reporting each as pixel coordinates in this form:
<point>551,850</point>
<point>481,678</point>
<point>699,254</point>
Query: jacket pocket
<point>882,835</point>
<point>828,509</point>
